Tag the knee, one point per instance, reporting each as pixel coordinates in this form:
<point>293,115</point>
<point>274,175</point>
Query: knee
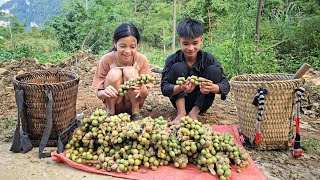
<point>179,68</point>
<point>214,73</point>
<point>114,75</point>
<point>130,72</point>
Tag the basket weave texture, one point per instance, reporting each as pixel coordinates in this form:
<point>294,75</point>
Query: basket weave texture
<point>64,88</point>
<point>276,125</point>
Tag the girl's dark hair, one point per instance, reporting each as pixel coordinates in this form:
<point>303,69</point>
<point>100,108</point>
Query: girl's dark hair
<point>125,30</point>
<point>190,28</point>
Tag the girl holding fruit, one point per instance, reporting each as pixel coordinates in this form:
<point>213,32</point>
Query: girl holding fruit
<point>120,64</point>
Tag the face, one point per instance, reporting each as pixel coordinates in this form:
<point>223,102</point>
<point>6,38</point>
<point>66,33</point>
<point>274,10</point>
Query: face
<point>126,49</point>
<point>190,46</point>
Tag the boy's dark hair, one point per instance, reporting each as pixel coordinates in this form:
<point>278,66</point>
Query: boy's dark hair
<point>125,30</point>
<point>190,28</point>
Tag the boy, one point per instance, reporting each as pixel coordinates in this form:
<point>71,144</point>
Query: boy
<point>190,60</point>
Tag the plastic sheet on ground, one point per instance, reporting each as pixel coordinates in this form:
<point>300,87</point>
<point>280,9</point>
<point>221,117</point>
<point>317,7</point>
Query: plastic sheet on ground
<point>252,172</point>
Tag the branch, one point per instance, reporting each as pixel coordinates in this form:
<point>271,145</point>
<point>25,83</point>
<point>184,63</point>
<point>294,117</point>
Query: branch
<point>278,43</point>
<point>85,39</point>
<point>94,44</point>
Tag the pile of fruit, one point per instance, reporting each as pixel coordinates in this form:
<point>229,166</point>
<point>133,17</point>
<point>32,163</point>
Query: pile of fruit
<point>116,144</point>
<point>135,82</point>
<point>193,79</point>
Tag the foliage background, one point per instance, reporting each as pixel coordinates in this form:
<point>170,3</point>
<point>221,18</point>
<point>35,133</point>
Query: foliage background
<point>290,31</point>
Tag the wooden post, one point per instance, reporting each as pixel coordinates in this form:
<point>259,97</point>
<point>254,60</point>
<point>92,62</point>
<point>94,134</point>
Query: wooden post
<point>301,71</point>
<point>174,27</point>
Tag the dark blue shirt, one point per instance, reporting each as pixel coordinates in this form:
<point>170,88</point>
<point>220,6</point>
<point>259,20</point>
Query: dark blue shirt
<point>204,60</point>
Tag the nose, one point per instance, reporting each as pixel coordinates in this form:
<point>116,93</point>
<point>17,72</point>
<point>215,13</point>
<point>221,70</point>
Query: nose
<point>190,48</point>
<point>127,50</point>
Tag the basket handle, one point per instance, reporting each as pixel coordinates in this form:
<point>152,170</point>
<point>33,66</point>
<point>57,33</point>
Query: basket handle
<point>47,131</point>
<point>74,124</point>
<point>48,128</point>
<point>21,141</point>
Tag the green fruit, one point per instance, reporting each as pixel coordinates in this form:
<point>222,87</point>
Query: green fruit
<point>94,122</point>
<point>224,167</point>
<point>227,173</point>
<point>156,163</point>
<point>172,154</point>
<point>121,167</point>
<point>135,168</point>
<point>146,164</point>
<point>131,161</point>
<point>137,162</point>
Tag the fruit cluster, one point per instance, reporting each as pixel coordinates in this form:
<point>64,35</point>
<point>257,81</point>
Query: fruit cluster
<point>116,144</point>
<point>134,82</point>
<point>193,79</point>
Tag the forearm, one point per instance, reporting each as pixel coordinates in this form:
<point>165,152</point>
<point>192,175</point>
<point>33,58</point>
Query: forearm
<point>224,87</point>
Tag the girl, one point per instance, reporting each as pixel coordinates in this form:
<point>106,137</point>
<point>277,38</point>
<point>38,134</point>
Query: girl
<point>122,62</point>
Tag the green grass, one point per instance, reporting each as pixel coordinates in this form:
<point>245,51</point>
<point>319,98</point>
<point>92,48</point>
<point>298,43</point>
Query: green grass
<point>311,145</point>
<point>44,48</point>
<point>155,56</point>
<point>8,123</point>
<point>7,127</point>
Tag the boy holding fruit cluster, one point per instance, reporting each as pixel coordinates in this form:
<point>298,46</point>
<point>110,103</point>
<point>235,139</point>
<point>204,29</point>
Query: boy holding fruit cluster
<point>192,77</point>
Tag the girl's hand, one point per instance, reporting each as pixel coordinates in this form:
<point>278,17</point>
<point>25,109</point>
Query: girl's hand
<point>208,87</point>
<point>142,91</point>
<point>108,92</point>
<point>188,87</point>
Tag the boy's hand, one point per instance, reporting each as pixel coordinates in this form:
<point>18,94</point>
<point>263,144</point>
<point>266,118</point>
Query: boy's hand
<point>209,87</point>
<point>108,92</point>
<point>188,87</point>
<point>142,91</point>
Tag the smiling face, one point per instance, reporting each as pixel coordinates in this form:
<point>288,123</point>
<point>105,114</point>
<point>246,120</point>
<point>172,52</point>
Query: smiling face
<point>126,49</point>
<point>190,47</point>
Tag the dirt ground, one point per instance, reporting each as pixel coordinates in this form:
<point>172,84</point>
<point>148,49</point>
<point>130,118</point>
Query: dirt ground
<point>274,164</point>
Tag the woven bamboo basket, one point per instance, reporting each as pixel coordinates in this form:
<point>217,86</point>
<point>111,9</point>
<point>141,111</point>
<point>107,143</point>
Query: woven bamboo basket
<point>64,88</point>
<point>277,121</point>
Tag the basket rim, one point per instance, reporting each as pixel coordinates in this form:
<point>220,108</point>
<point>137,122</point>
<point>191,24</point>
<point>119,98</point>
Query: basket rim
<point>232,80</point>
<point>75,75</point>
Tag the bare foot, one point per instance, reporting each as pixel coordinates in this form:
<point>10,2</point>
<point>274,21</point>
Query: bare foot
<point>176,120</point>
<point>193,116</point>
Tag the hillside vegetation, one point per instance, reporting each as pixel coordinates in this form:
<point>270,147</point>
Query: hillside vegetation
<point>285,35</point>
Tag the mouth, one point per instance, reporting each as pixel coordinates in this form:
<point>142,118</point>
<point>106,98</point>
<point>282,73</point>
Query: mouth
<point>190,53</point>
<point>126,55</point>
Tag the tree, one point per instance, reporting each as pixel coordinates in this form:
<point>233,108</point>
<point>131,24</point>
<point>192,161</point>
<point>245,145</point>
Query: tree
<point>174,27</point>
<point>258,23</point>
<point>86,26</point>
<point>13,26</point>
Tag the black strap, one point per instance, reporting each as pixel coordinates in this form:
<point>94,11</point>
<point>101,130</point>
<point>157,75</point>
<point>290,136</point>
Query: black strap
<point>21,141</point>
<point>47,131</point>
<point>74,124</point>
<point>48,128</point>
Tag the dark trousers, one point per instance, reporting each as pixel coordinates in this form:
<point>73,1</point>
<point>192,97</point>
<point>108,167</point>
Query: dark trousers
<point>195,98</point>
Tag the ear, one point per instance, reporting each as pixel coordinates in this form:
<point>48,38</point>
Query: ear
<point>179,40</point>
<point>201,39</point>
